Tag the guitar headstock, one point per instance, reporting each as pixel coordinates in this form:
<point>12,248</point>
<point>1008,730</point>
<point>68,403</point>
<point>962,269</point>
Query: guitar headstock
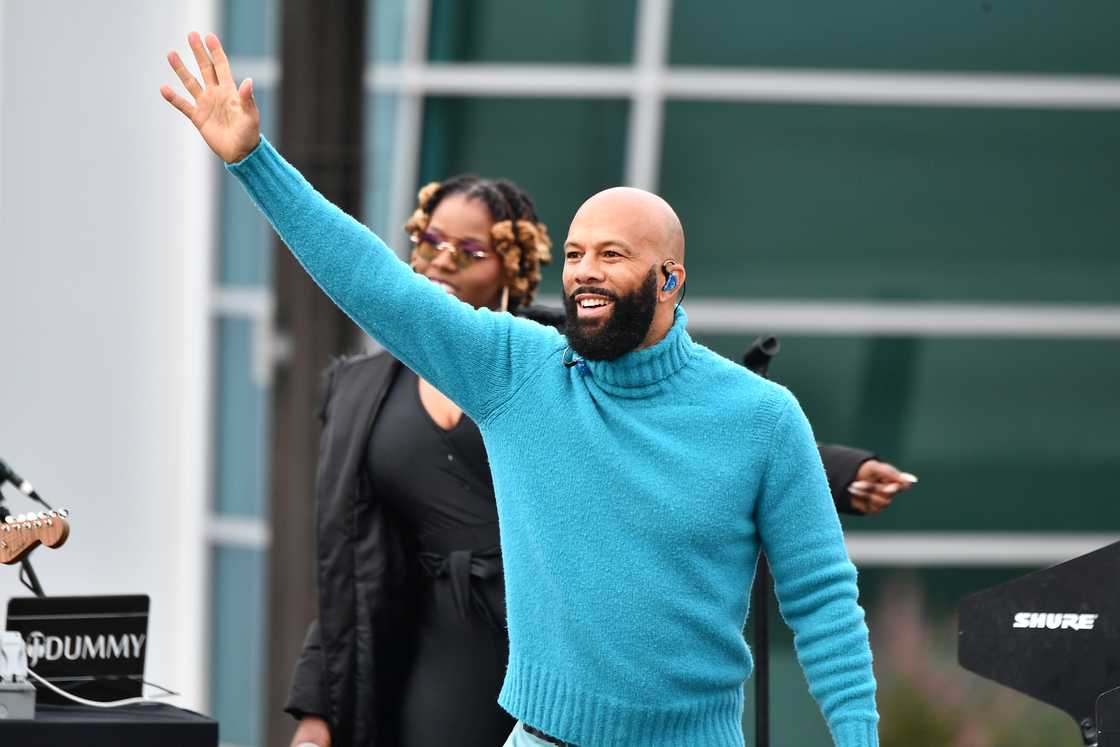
<point>21,534</point>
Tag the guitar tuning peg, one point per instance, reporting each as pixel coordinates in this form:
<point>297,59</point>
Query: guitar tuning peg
<point>21,518</point>
<point>64,512</point>
<point>43,515</point>
<point>53,513</point>
<point>9,519</point>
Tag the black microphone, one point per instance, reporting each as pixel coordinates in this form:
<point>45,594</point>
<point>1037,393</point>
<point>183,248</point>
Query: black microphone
<point>572,359</point>
<point>758,355</point>
<point>7,474</point>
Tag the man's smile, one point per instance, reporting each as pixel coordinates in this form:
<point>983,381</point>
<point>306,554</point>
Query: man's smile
<point>593,306</point>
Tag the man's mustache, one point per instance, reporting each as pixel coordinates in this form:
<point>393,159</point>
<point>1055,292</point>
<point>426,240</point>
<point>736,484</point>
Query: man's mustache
<point>595,291</point>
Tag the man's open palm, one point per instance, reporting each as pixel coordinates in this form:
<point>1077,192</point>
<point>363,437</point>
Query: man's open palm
<point>226,115</point>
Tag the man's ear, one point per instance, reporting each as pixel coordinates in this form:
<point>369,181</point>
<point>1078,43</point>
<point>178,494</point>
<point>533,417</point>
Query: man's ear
<point>674,276</point>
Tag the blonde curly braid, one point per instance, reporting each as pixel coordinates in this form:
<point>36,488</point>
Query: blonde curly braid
<point>523,246</point>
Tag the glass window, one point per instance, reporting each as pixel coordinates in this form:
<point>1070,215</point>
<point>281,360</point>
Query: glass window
<point>245,257</point>
<point>576,31</point>
<point>1022,36</point>
<point>384,30</point>
<point>1006,435</point>
<point>561,151</point>
<point>241,419</point>
<point>246,240</point>
<point>377,172</point>
<point>251,28</point>
<point>237,635</point>
<point>842,202</point>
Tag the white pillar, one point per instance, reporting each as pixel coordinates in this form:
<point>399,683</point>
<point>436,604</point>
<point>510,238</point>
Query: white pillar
<point>106,233</point>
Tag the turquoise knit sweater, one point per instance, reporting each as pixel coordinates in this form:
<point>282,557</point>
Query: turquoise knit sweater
<point>634,497</point>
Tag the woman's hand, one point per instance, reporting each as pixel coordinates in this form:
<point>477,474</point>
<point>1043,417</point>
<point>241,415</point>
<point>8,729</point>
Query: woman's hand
<point>312,730</point>
<point>226,115</point>
<point>876,485</point>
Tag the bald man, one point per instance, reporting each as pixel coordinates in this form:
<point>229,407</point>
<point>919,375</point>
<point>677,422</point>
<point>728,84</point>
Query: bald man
<point>638,474</point>
<point>622,245</point>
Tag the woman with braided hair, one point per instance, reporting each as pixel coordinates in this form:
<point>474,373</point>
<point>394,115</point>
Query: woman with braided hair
<point>409,648</point>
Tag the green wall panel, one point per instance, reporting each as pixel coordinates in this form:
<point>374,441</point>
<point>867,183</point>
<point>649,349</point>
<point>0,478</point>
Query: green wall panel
<point>851,202</point>
<point>932,35</point>
<point>575,31</point>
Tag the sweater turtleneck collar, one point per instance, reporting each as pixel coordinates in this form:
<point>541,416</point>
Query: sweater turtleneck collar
<point>637,373</point>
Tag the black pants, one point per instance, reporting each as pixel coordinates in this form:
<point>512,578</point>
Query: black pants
<point>451,692</point>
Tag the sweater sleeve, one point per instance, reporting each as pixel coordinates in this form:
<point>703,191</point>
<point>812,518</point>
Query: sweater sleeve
<point>476,357</point>
<point>815,581</point>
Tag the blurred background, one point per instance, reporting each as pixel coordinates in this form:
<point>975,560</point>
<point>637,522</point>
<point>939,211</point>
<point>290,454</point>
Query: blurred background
<point>919,198</point>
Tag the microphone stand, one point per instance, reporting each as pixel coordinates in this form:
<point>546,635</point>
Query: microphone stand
<point>757,359</point>
<point>32,581</point>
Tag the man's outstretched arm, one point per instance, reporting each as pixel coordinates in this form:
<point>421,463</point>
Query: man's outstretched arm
<point>476,357</point>
<point>815,581</point>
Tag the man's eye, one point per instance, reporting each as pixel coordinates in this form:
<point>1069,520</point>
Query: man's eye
<point>573,255</point>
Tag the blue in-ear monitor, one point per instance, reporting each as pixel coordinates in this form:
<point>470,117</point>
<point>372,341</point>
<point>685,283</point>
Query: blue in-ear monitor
<point>670,283</point>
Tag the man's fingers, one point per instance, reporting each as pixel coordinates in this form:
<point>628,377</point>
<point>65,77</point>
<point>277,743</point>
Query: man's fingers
<point>189,81</point>
<point>205,64</point>
<point>245,91</point>
<point>177,101</point>
<point>221,62</point>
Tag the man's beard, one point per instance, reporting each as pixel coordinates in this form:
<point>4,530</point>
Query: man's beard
<point>622,331</point>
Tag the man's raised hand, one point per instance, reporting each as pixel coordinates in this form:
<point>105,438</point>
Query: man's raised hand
<point>225,114</point>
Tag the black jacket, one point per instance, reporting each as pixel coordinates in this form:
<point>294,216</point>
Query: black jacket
<point>355,655</point>
<point>351,659</point>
